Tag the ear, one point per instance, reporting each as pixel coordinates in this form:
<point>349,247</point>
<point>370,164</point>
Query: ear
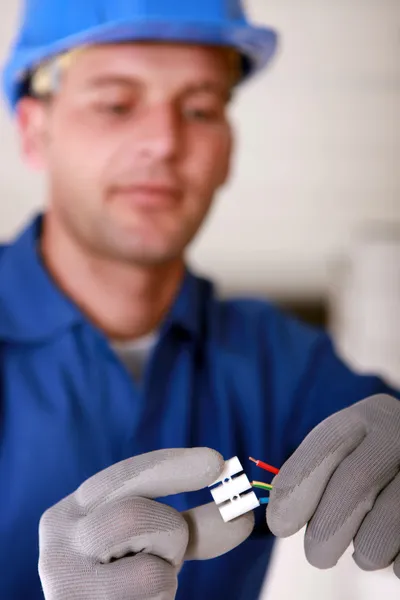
<point>32,120</point>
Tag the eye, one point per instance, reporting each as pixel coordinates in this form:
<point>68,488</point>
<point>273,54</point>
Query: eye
<point>201,114</point>
<point>113,108</point>
<point>117,109</point>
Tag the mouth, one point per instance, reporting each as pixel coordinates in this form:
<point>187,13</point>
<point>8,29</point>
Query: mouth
<point>148,196</point>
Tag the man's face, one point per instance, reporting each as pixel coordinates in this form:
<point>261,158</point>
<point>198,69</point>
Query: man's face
<point>134,145</point>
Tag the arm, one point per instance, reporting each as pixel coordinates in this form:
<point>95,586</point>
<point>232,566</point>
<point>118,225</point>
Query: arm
<point>340,452</point>
<point>327,386</point>
<point>342,480</point>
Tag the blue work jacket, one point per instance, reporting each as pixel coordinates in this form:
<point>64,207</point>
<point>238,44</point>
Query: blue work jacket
<point>236,375</point>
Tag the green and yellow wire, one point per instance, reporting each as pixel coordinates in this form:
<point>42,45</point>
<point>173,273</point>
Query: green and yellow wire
<point>261,485</point>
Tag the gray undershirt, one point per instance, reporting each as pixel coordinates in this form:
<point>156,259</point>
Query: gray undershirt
<point>135,354</point>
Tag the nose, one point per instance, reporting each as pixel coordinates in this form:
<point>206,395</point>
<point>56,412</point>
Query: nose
<point>158,133</point>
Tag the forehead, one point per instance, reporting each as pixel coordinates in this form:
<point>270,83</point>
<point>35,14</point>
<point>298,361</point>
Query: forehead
<point>167,63</point>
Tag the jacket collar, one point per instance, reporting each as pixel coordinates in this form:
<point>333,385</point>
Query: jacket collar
<point>34,309</point>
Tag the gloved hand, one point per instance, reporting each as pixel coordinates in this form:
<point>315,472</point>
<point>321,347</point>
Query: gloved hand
<point>110,540</point>
<point>344,481</point>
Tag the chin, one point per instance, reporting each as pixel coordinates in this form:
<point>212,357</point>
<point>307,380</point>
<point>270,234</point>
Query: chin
<point>148,245</point>
<point>148,255</point>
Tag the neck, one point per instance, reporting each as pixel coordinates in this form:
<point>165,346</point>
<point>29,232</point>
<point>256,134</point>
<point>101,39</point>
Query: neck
<point>123,300</point>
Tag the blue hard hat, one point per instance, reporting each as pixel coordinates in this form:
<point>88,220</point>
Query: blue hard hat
<point>51,27</point>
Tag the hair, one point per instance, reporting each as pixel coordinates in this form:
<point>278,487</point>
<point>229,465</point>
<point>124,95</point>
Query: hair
<point>45,80</point>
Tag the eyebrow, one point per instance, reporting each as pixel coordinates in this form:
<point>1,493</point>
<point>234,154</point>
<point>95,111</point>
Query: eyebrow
<point>212,87</point>
<point>209,87</point>
<point>109,80</point>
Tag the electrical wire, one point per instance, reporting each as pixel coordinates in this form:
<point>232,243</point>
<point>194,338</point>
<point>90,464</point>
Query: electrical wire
<point>264,466</point>
<point>261,485</point>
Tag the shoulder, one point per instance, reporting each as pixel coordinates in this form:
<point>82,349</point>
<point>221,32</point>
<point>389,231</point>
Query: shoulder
<point>252,321</point>
<point>3,247</point>
<point>3,254</point>
<point>257,336</point>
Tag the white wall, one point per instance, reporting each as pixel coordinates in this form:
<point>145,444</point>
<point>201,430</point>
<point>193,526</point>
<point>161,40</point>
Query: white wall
<point>20,190</point>
<point>319,147</point>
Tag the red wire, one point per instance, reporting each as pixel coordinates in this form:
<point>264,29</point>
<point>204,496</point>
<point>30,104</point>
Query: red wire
<point>265,466</point>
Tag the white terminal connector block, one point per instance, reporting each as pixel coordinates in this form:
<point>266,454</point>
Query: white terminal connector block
<point>231,491</point>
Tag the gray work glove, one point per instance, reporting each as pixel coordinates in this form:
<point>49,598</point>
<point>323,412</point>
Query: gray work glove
<point>110,541</point>
<point>344,481</point>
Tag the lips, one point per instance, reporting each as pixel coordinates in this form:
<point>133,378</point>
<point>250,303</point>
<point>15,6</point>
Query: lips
<point>148,195</point>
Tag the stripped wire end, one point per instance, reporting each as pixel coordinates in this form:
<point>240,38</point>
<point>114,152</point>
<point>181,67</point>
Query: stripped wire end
<point>260,484</point>
<point>264,466</point>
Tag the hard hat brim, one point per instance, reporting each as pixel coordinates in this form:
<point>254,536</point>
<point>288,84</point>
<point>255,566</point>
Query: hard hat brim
<point>257,45</point>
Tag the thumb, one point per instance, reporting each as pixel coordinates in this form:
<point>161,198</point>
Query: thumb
<point>210,536</point>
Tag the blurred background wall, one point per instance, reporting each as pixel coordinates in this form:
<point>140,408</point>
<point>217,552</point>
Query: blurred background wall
<point>309,218</point>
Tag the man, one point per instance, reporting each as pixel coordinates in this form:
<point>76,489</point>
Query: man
<point>111,348</point>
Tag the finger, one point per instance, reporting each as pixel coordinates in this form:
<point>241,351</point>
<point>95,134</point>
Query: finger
<point>377,542</point>
<point>348,497</point>
<point>210,536</point>
<point>152,475</point>
<point>396,567</point>
<point>143,577</point>
<point>298,487</point>
<point>133,525</point>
